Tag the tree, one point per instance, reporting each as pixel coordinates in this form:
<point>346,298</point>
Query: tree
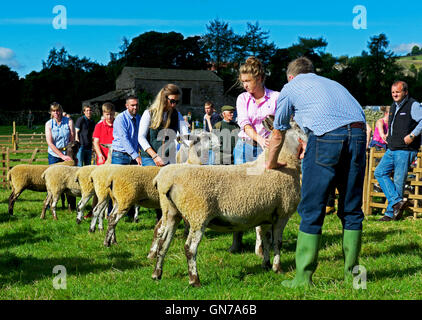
<point>416,51</point>
<point>256,43</point>
<point>10,89</point>
<point>219,42</point>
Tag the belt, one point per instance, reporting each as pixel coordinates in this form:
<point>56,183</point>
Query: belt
<point>358,125</point>
<point>125,153</point>
<point>108,146</point>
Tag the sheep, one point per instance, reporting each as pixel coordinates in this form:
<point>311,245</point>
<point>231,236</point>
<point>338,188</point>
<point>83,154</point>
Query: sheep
<point>227,199</point>
<point>59,179</point>
<point>27,176</point>
<point>132,185</point>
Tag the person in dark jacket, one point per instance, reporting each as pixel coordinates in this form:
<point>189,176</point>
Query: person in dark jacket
<point>403,142</point>
<point>228,131</point>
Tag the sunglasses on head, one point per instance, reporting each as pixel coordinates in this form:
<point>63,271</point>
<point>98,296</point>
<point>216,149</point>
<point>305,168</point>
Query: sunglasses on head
<point>173,101</point>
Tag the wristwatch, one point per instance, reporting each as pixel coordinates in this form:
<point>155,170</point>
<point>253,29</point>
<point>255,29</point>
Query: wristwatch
<point>412,136</point>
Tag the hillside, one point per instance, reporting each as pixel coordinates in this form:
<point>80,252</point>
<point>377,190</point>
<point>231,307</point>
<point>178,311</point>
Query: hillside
<point>408,61</point>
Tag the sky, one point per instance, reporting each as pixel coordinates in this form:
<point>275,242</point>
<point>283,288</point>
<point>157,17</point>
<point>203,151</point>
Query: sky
<point>93,28</point>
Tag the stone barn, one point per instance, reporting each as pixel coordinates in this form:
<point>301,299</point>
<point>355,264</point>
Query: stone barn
<point>197,87</point>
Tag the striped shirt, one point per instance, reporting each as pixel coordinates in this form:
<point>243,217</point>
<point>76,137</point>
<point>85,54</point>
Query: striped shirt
<point>318,104</point>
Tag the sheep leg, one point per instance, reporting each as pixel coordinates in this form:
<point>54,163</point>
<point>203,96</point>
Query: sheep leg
<point>80,207</point>
<point>115,216</point>
<point>191,249</point>
<point>45,205</point>
<point>164,244</point>
<point>12,199</point>
<point>158,232</point>
<point>237,242</point>
<point>265,234</point>
<point>259,251</point>
<point>135,217</point>
<point>277,243</point>
<point>53,206</point>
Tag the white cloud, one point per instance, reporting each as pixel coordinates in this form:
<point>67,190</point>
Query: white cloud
<point>8,57</point>
<point>406,47</point>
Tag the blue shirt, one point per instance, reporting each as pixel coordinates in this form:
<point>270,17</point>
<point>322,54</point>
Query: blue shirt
<point>60,134</point>
<point>318,104</point>
<point>415,113</point>
<point>125,134</point>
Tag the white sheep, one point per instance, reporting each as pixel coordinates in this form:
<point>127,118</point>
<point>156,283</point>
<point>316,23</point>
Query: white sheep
<point>133,185</point>
<point>228,199</point>
<point>62,179</point>
<point>28,176</point>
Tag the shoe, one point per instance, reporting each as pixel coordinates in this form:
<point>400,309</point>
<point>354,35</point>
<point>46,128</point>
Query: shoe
<point>398,209</point>
<point>385,218</point>
<point>352,240</point>
<point>329,210</point>
<point>307,248</point>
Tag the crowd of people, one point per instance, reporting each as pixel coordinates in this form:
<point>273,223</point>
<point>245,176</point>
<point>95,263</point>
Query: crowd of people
<point>334,158</point>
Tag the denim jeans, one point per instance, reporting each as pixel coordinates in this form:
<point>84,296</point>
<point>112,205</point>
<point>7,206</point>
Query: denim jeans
<point>146,161</point>
<point>335,159</point>
<point>53,159</point>
<point>118,157</point>
<point>399,161</point>
<point>84,156</point>
<point>245,152</point>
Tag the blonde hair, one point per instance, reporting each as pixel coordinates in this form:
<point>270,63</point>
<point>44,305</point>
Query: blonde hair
<point>55,106</point>
<point>108,107</point>
<point>160,102</point>
<point>254,67</point>
<point>385,109</point>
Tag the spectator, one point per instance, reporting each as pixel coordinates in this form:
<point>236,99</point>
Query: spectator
<point>125,135</point>
<point>252,106</point>
<point>379,140</point>
<point>403,143</point>
<point>59,132</point>
<point>211,117</point>
<point>335,157</point>
<point>103,133</point>
<point>30,119</point>
<point>228,135</point>
<point>158,146</point>
<point>84,129</point>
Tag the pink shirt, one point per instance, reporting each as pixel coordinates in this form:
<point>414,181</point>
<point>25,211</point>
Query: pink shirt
<point>377,136</point>
<point>248,112</point>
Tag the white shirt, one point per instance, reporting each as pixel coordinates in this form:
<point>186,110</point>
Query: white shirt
<point>146,122</point>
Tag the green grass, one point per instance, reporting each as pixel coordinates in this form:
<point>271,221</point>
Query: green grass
<point>30,248</point>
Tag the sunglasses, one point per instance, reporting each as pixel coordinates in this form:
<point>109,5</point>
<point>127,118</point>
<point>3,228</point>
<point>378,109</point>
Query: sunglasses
<point>173,101</point>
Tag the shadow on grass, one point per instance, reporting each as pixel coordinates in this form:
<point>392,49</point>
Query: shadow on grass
<point>27,236</point>
<point>26,270</point>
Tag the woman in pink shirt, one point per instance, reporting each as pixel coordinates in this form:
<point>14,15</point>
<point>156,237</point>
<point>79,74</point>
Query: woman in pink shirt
<point>253,106</point>
<point>379,140</point>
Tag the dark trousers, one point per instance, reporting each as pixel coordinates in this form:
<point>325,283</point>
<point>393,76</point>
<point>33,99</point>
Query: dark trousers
<point>335,159</point>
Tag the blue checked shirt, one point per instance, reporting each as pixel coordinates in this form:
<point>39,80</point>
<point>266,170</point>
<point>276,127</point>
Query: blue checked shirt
<point>318,104</point>
<point>125,134</point>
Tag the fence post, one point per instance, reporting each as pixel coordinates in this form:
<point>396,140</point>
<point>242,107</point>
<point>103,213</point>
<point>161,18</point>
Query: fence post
<point>14,136</point>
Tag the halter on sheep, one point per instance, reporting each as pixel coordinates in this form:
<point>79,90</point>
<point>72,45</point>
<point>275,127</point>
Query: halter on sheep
<point>227,199</point>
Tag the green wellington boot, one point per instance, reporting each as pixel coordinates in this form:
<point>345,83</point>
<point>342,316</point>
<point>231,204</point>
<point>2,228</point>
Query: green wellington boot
<point>352,240</point>
<point>306,260</point>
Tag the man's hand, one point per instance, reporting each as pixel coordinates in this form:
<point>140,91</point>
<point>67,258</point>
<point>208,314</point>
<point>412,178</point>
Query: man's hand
<point>408,139</point>
<point>139,161</point>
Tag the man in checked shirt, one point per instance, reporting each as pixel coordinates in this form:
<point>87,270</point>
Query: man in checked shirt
<point>335,157</point>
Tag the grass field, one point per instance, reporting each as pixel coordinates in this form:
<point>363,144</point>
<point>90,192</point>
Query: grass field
<point>30,248</point>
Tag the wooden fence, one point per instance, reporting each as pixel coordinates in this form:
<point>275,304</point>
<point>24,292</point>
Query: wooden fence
<point>375,198</point>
